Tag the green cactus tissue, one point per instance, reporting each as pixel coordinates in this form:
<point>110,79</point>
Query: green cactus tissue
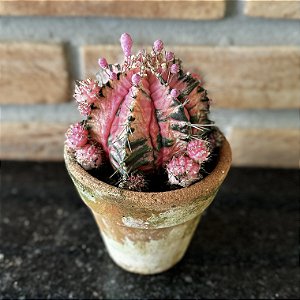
<point>145,120</point>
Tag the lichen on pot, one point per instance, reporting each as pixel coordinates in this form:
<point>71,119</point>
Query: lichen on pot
<point>146,160</point>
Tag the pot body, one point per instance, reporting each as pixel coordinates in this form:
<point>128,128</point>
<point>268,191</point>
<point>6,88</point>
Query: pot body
<point>147,233</point>
<point>146,251</point>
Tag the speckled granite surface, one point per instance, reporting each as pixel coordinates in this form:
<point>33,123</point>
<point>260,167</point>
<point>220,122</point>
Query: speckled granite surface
<point>246,245</point>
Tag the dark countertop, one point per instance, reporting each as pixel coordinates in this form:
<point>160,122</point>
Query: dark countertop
<point>246,245</point>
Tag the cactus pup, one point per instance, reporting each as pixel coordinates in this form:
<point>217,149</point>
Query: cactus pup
<point>145,116</point>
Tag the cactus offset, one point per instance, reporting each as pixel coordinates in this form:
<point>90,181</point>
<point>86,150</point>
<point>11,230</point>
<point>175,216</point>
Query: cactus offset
<point>134,182</point>
<point>198,150</point>
<point>182,170</point>
<point>89,156</point>
<point>145,112</point>
<point>76,136</point>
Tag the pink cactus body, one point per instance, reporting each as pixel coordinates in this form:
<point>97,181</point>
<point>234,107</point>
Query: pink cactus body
<point>174,69</point>
<point>84,109</point>
<point>103,63</point>
<point>169,56</point>
<point>182,170</point>
<point>113,76</point>
<point>142,116</point>
<point>126,43</point>
<point>174,93</point>
<point>76,136</point>
<point>86,93</point>
<point>158,46</point>
<point>89,156</point>
<point>198,150</point>
<point>136,79</point>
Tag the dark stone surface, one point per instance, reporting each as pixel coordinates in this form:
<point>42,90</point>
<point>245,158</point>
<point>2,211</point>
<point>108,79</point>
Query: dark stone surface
<point>246,245</point>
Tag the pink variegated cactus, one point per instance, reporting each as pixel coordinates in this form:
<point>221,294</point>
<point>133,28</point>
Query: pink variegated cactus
<point>198,150</point>
<point>77,136</point>
<point>146,115</point>
<point>134,182</point>
<point>89,156</point>
<point>182,170</point>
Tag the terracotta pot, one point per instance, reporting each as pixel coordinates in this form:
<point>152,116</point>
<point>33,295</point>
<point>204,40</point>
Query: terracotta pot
<point>147,233</point>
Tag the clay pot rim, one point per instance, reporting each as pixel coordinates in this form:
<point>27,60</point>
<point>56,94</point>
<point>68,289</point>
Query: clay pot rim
<point>199,189</point>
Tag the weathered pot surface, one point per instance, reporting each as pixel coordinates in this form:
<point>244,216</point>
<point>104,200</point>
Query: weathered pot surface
<point>147,233</point>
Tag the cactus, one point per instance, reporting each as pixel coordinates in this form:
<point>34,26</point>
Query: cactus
<point>198,150</point>
<point>89,156</point>
<point>183,171</point>
<point>86,93</point>
<point>134,182</point>
<point>147,113</point>
<point>77,136</point>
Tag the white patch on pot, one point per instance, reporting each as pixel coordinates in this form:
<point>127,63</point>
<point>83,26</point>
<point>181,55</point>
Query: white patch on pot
<point>135,223</point>
<point>103,221</point>
<point>152,256</point>
<point>170,217</point>
<point>178,215</point>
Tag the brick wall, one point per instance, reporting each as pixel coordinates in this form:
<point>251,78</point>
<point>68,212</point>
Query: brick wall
<point>248,50</point>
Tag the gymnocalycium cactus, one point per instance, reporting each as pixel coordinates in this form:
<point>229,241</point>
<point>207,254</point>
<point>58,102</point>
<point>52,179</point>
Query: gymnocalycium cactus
<point>143,116</point>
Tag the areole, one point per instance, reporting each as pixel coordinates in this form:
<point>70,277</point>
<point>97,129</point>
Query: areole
<point>147,233</point>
